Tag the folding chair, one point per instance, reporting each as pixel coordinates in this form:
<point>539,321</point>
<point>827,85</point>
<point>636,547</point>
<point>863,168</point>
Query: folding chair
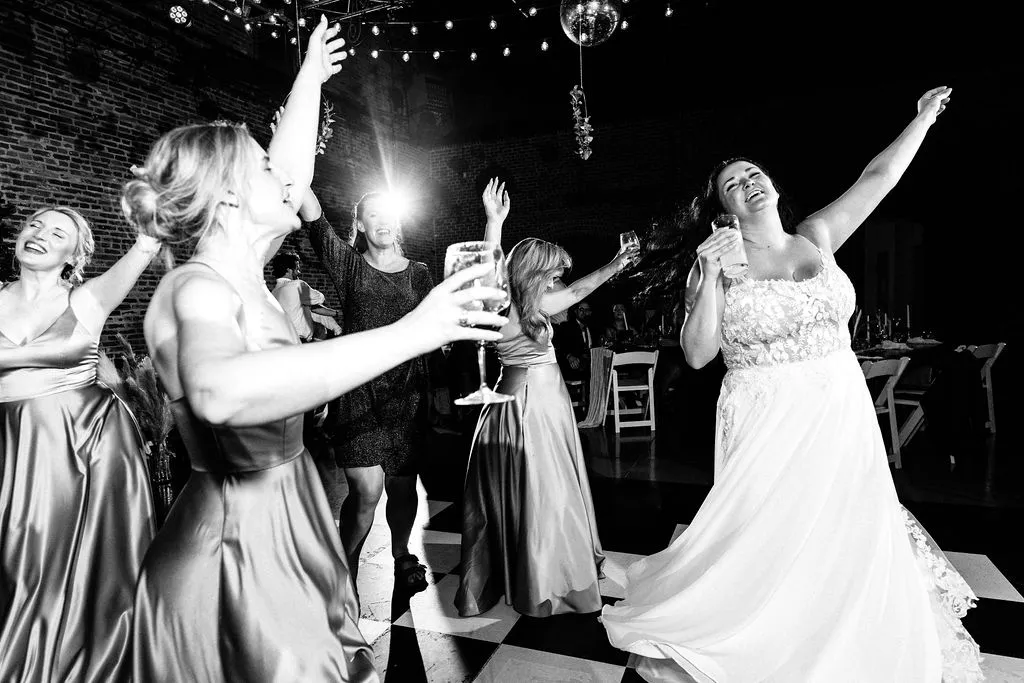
<point>988,353</point>
<point>621,385</point>
<point>885,403</point>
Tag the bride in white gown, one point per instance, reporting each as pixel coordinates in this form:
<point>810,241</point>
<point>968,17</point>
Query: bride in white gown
<point>801,565</point>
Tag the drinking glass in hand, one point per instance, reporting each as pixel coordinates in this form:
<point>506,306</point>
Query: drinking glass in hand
<point>734,263</point>
<point>458,257</point>
<point>629,238</point>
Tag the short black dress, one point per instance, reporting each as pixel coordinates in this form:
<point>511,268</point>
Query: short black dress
<point>382,422</point>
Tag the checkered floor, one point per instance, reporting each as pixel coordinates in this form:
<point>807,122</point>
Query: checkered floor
<point>424,639</point>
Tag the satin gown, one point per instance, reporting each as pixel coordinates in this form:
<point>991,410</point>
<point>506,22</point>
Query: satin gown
<point>801,565</point>
<point>247,580</point>
<point>76,511</point>
<point>528,529</point>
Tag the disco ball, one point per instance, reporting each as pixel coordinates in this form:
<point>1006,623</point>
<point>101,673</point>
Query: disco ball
<point>590,22</point>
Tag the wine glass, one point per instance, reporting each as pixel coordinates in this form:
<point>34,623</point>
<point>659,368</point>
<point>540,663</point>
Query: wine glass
<point>460,256</point>
<point>627,239</point>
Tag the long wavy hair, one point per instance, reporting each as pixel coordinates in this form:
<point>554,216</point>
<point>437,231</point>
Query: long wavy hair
<point>531,265</point>
<point>188,172</point>
<point>74,270</point>
<point>672,248</point>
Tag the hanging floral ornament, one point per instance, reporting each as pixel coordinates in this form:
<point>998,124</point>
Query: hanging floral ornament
<point>326,119</point>
<point>584,131</point>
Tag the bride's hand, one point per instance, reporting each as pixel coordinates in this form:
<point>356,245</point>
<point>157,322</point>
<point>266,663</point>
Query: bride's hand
<point>711,251</point>
<point>442,318</point>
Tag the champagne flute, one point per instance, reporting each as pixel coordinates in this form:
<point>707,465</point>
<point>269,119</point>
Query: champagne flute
<point>460,256</point>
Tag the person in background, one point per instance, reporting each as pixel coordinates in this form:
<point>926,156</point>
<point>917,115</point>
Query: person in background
<point>76,511</point>
<point>299,301</point>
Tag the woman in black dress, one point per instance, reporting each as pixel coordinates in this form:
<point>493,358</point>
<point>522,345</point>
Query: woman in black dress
<point>380,430</point>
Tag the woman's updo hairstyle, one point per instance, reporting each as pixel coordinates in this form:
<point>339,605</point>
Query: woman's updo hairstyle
<point>75,270</point>
<point>188,173</point>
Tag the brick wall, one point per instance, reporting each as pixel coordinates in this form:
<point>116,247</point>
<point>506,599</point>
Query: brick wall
<point>88,86</point>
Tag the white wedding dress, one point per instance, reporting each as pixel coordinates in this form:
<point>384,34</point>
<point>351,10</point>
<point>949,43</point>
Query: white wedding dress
<point>801,566</point>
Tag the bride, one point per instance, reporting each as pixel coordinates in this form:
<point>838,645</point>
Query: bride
<point>801,564</point>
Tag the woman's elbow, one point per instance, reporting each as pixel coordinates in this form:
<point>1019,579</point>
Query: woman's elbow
<point>696,360</point>
<point>213,406</point>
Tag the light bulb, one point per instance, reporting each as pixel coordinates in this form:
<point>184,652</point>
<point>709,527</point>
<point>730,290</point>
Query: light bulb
<point>405,56</point>
<point>493,24</point>
<point>449,24</point>
<point>472,56</point>
<point>374,54</point>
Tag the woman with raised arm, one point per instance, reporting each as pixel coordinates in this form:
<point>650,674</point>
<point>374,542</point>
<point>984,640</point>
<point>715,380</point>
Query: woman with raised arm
<point>801,564</point>
<point>76,512</point>
<point>379,434</point>
<point>528,528</point>
<point>247,580</point>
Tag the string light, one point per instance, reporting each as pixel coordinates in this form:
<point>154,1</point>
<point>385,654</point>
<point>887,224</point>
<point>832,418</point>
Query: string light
<point>374,54</point>
<point>472,56</point>
<point>544,45</point>
<point>405,56</point>
<point>437,54</point>
<point>449,24</point>
<point>375,30</point>
<point>532,11</point>
<point>493,23</point>
<point>624,24</point>
<point>352,52</point>
<point>668,10</point>
<point>248,27</point>
<point>413,30</point>
<point>506,52</point>
<point>227,17</point>
<point>302,21</point>
<point>237,11</point>
<point>273,34</point>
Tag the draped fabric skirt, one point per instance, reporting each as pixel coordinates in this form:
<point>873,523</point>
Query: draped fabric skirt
<point>76,517</point>
<point>801,565</point>
<point>247,582</point>
<point>528,528</point>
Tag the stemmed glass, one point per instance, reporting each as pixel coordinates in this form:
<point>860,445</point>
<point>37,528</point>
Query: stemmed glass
<point>460,256</point>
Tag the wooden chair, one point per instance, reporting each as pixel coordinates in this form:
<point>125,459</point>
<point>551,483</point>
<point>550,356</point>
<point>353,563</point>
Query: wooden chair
<point>621,385</point>
<point>988,353</point>
<point>885,403</point>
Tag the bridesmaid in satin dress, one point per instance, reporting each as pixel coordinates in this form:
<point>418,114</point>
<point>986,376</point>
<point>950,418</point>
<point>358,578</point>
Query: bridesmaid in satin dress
<point>76,512</point>
<point>247,579</point>
<point>528,528</point>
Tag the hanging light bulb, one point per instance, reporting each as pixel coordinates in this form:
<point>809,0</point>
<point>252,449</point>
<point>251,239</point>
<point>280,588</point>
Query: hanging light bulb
<point>293,40</point>
<point>273,34</point>
<point>248,27</point>
<point>374,54</point>
<point>493,23</point>
<point>472,56</point>
<point>227,17</point>
<point>414,30</point>
<point>375,30</point>
<point>506,52</point>
<point>237,10</point>
<point>624,24</point>
<point>405,56</point>
<point>437,54</point>
<point>532,11</point>
<point>273,19</point>
<point>302,22</point>
<point>668,10</point>
<point>544,45</point>
<point>449,24</point>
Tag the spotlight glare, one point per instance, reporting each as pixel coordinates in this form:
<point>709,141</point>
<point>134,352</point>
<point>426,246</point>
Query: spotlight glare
<point>179,15</point>
<point>397,203</point>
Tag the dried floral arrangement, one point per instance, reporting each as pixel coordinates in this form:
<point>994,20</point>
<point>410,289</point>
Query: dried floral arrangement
<point>584,131</point>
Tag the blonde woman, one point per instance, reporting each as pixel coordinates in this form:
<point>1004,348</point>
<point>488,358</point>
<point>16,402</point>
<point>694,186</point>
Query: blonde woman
<point>76,513</point>
<point>528,530</point>
<point>247,580</point>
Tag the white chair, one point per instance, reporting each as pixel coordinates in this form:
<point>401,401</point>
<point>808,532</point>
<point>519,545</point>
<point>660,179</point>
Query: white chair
<point>885,403</point>
<point>575,387</point>
<point>988,353</point>
<point>621,385</point>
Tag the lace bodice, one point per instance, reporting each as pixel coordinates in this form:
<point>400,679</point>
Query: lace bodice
<point>772,322</point>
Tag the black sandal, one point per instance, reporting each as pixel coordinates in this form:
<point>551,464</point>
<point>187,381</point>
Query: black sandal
<point>410,574</point>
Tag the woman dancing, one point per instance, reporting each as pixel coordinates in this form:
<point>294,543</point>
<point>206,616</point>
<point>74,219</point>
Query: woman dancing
<point>76,512</point>
<point>247,580</point>
<point>528,528</point>
<point>801,564</point>
<point>380,432</point>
